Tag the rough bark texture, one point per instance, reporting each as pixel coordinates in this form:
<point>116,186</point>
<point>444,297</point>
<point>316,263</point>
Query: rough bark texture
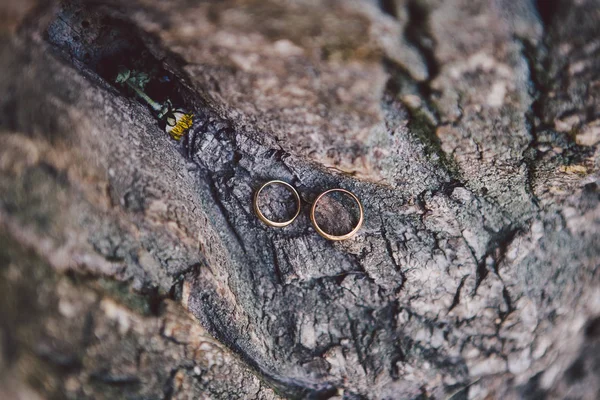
<point>133,266</point>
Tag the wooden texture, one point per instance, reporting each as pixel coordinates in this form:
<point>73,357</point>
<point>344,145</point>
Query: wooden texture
<point>133,266</point>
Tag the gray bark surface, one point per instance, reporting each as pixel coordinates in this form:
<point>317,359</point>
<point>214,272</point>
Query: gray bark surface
<point>133,266</point>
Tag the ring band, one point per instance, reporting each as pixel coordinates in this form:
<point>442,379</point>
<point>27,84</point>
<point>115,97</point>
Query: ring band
<point>266,220</point>
<point>334,237</point>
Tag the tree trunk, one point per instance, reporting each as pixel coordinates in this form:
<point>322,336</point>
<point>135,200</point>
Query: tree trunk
<point>133,265</point>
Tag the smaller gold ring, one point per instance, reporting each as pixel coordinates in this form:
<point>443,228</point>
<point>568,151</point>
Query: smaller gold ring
<point>266,220</point>
<point>334,237</point>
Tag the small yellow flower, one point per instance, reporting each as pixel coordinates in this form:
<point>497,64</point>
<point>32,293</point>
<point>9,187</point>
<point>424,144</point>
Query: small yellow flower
<point>179,123</point>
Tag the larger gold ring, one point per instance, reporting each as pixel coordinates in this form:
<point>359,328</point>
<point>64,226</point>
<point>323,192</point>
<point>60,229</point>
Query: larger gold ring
<point>266,220</point>
<point>334,237</point>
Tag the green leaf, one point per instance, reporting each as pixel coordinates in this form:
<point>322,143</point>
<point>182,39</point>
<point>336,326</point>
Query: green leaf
<point>123,75</point>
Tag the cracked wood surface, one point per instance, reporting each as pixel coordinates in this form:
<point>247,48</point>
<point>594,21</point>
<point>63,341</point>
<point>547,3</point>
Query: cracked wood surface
<point>134,267</point>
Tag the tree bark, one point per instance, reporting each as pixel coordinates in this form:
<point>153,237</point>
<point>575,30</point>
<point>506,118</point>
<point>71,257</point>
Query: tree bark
<point>133,266</point>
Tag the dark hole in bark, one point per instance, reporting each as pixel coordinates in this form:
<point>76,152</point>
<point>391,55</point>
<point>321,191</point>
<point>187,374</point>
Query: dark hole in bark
<point>592,330</point>
<point>103,43</point>
<point>547,10</point>
<point>389,7</point>
<point>337,213</point>
<point>576,371</point>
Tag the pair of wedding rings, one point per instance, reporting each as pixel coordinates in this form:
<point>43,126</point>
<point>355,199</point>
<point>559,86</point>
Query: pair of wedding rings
<point>313,219</point>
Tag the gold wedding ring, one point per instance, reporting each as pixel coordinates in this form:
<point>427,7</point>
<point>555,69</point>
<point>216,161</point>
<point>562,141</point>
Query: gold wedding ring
<point>334,237</point>
<point>267,220</point>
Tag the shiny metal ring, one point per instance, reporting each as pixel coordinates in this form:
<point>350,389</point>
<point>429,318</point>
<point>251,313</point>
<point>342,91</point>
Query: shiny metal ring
<point>266,220</point>
<point>334,237</point>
